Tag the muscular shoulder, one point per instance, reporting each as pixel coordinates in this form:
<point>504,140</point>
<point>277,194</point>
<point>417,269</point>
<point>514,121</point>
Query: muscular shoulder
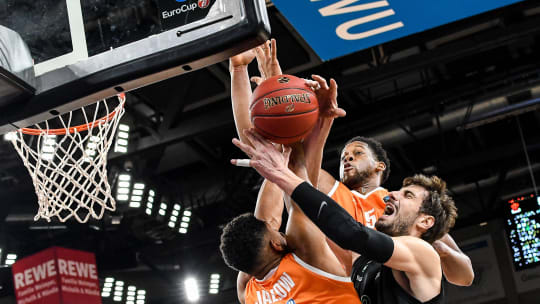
<point>241,283</point>
<point>326,181</point>
<point>422,253</point>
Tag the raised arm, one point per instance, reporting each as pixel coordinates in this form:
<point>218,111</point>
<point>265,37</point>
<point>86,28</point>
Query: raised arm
<point>308,242</point>
<point>268,64</point>
<point>266,208</point>
<point>269,206</point>
<point>241,90</point>
<point>456,265</point>
<point>315,141</point>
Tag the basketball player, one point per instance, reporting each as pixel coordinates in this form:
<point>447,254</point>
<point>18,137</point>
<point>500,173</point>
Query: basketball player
<point>364,165</point>
<point>295,267</point>
<point>397,263</point>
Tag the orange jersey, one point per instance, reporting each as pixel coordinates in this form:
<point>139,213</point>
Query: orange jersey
<point>296,282</point>
<point>365,209</point>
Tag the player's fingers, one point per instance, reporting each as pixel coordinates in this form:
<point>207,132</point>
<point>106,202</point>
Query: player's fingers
<point>339,112</point>
<point>261,62</point>
<point>256,79</point>
<point>273,45</point>
<point>312,84</point>
<point>241,162</point>
<point>268,50</point>
<point>256,165</point>
<point>245,148</point>
<point>275,61</point>
<point>253,135</point>
<point>333,84</point>
<point>321,81</point>
<point>287,154</point>
<point>257,143</point>
<point>260,141</point>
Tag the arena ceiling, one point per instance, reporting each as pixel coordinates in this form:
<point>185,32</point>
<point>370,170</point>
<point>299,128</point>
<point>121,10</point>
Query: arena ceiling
<point>450,101</point>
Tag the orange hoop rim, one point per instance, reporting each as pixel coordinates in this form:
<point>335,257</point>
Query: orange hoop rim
<point>79,128</point>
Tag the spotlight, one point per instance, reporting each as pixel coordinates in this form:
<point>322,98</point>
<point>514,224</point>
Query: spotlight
<point>133,295</point>
<point>174,216</point>
<point>10,258</point>
<point>124,185</point>
<point>186,218</point>
<point>214,283</point>
<point>192,289</point>
<point>48,144</point>
<point>121,143</point>
<point>162,209</point>
<point>136,195</point>
<point>150,201</point>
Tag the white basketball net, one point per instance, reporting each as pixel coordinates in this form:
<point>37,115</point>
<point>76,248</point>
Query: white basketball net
<point>68,165</point>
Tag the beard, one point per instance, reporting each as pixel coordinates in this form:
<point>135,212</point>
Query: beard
<point>358,178</point>
<point>398,227</point>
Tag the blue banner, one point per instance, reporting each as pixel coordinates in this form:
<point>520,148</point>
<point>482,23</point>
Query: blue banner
<point>334,28</point>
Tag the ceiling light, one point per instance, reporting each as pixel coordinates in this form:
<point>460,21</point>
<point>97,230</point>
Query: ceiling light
<point>48,144</point>
<point>192,289</point>
<point>122,136</point>
<point>123,187</point>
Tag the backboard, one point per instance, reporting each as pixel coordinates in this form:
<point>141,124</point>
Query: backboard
<point>84,51</point>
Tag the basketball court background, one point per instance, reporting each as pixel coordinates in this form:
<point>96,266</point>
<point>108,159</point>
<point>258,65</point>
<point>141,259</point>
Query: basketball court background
<point>448,101</point>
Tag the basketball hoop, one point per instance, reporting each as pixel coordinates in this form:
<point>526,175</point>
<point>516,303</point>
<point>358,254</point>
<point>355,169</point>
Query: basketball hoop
<point>68,164</point>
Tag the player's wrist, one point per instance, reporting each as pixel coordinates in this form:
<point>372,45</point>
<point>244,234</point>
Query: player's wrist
<point>235,67</point>
<point>287,180</point>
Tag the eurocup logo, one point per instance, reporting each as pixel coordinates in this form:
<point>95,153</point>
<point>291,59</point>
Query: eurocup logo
<point>204,3</point>
<point>283,79</point>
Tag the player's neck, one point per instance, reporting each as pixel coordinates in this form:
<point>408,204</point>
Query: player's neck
<point>263,271</point>
<point>368,186</point>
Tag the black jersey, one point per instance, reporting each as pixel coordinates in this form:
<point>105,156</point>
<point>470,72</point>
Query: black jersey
<point>375,284</point>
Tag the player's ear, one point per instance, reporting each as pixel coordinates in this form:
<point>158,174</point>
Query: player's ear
<point>279,243</point>
<point>381,166</point>
<point>425,222</point>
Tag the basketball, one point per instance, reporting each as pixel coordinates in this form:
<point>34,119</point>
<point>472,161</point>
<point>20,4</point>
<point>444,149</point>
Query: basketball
<point>284,109</point>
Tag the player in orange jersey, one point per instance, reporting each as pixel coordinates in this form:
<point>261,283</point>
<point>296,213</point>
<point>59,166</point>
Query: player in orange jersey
<point>364,165</point>
<point>295,267</point>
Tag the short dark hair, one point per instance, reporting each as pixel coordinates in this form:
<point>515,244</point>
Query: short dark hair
<point>437,203</point>
<point>241,242</point>
<point>377,150</point>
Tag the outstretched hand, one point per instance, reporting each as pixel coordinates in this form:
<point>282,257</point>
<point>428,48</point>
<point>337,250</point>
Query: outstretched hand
<point>267,61</point>
<point>327,97</point>
<point>266,158</point>
<point>242,59</point>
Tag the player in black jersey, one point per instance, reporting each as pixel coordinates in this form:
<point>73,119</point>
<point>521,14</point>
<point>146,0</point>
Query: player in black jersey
<point>415,216</point>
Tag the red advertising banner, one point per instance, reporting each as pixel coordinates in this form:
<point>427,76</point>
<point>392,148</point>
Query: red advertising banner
<point>57,276</point>
<point>36,278</point>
